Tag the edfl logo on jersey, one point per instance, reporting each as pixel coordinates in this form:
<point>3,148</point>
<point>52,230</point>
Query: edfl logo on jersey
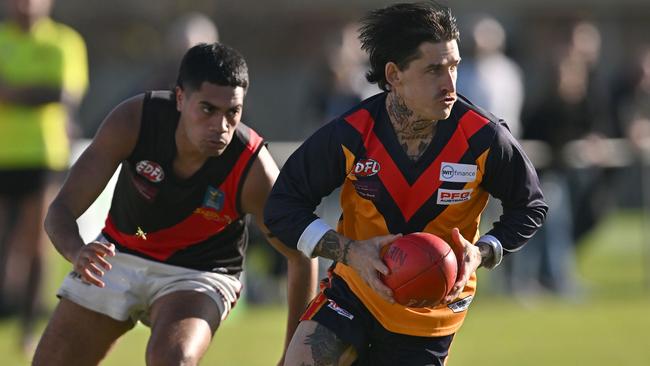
<point>456,172</point>
<point>150,170</point>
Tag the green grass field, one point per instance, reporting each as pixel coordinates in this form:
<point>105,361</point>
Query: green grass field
<point>608,325</point>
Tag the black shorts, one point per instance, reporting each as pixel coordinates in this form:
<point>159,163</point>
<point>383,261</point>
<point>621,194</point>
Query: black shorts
<point>338,309</point>
<point>22,182</point>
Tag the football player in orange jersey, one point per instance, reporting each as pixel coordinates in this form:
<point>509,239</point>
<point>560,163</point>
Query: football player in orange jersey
<point>418,157</point>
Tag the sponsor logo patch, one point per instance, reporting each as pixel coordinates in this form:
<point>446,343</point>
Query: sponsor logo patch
<point>153,172</point>
<point>212,215</point>
<point>366,168</point>
<point>339,310</point>
<point>214,198</point>
<point>451,196</point>
<point>461,305</point>
<point>455,172</point>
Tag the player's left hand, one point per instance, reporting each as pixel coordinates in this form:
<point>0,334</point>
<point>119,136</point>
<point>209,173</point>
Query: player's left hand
<point>469,259</point>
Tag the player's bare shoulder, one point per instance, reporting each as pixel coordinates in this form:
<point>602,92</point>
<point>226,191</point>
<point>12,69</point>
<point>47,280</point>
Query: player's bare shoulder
<point>121,128</point>
<point>126,117</point>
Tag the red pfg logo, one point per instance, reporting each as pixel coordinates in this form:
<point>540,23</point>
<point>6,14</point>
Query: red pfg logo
<point>150,170</point>
<point>366,168</point>
<point>450,197</point>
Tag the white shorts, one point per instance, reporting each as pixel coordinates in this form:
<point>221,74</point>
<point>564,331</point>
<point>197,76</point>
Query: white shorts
<point>134,283</point>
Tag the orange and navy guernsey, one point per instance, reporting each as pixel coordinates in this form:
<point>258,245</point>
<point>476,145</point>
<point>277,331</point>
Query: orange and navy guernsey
<point>472,155</point>
<point>196,222</point>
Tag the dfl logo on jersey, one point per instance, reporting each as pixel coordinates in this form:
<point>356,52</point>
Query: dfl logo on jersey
<point>366,168</point>
<point>367,188</point>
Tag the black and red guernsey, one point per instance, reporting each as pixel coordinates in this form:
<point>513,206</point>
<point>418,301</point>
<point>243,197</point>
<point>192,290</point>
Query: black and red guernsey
<point>195,222</point>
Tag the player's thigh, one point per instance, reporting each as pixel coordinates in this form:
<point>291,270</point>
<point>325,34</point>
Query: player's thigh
<point>77,336</point>
<point>315,344</point>
<point>182,326</point>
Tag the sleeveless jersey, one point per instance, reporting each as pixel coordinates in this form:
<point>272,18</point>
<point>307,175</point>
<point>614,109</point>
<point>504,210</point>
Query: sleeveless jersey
<point>195,222</point>
<point>383,191</point>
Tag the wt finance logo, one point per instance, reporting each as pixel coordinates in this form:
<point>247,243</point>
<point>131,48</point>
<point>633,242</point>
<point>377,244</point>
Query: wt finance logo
<point>366,168</point>
<point>454,172</point>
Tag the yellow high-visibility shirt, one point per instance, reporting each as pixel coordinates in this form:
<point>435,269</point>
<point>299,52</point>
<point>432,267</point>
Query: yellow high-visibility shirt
<point>50,54</point>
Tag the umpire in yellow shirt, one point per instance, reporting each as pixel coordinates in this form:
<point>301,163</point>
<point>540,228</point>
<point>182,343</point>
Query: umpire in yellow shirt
<point>43,76</point>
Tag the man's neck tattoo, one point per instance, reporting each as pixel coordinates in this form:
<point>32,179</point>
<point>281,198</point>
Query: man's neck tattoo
<point>398,110</point>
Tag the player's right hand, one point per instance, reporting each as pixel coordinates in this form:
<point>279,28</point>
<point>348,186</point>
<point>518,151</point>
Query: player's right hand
<point>469,259</point>
<point>365,259</point>
<point>90,262</point>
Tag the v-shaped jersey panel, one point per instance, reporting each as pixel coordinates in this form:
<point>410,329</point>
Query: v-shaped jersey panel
<point>375,182</point>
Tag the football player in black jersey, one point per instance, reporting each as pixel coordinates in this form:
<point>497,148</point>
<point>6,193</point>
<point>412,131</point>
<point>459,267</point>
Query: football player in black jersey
<point>172,248</point>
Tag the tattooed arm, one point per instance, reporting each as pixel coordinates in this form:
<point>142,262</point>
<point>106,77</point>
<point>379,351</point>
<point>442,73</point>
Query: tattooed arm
<point>363,256</point>
<point>334,246</point>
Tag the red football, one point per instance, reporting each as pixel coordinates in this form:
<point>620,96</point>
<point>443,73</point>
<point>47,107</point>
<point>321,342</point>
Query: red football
<point>422,267</point>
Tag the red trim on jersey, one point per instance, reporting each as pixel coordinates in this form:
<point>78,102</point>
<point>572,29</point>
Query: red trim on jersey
<point>231,183</point>
<point>315,305</point>
<point>163,243</point>
<point>203,223</point>
<point>471,122</point>
<point>409,198</point>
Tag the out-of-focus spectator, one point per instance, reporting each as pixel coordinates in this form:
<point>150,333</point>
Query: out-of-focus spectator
<point>186,31</point>
<point>43,76</point>
<point>347,65</point>
<point>571,109</point>
<point>581,85</point>
<point>631,111</point>
<point>634,108</point>
<point>491,79</point>
<point>339,82</point>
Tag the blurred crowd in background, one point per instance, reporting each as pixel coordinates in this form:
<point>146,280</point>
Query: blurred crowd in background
<point>571,78</point>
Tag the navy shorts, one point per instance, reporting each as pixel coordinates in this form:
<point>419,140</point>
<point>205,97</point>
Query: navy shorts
<point>338,309</point>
